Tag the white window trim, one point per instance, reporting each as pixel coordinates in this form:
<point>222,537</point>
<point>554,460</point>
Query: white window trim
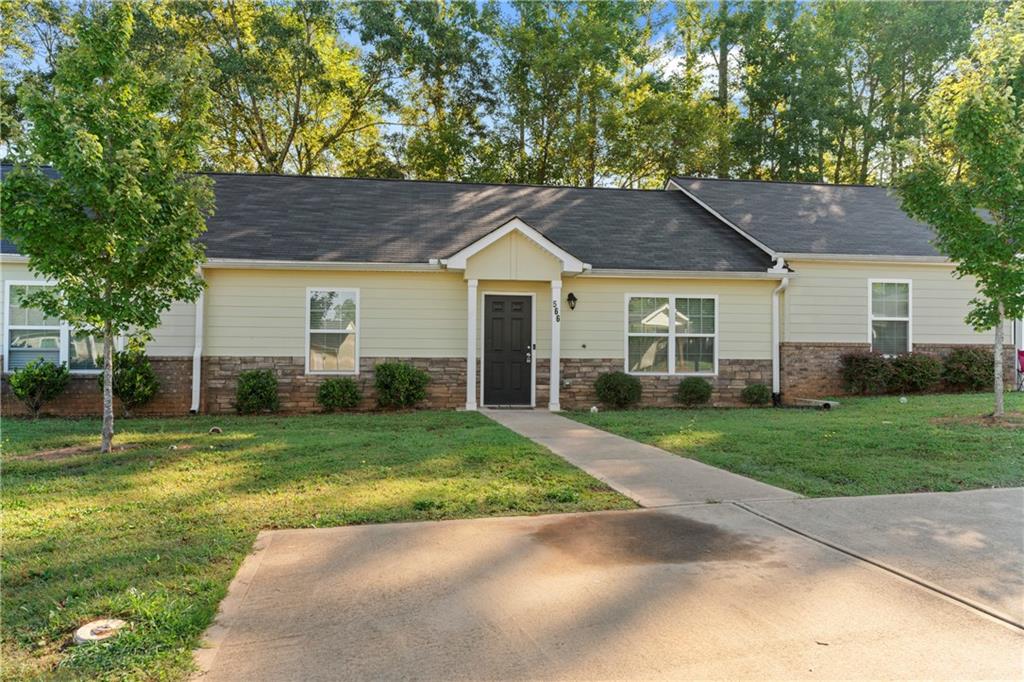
<point>909,319</point>
<point>65,328</point>
<point>672,335</point>
<point>358,332</point>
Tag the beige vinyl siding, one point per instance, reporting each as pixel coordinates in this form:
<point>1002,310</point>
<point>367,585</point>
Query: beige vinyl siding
<point>599,322</point>
<point>401,314</point>
<point>827,302</point>
<point>513,257</point>
<point>174,337</point>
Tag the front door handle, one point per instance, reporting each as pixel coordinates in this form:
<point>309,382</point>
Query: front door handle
<point>529,357</point>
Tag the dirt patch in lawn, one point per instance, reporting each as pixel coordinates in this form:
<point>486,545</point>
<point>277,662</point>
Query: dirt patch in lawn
<point>645,538</point>
<point>1012,420</point>
<point>75,450</point>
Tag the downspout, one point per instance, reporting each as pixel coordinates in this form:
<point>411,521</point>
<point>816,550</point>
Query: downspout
<point>780,266</point>
<point>197,353</point>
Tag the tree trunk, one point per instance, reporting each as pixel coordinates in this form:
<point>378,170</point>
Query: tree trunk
<point>723,86</point>
<point>998,383</point>
<point>108,387</point>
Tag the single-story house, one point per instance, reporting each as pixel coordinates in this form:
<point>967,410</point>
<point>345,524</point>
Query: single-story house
<point>523,295</point>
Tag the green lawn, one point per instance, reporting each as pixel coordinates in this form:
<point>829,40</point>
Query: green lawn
<point>153,534</point>
<point>867,446</point>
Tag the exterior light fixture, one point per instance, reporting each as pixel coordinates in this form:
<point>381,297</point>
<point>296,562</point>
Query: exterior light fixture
<point>572,301</point>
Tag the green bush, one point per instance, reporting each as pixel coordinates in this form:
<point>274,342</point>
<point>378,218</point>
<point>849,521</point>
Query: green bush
<point>338,394</point>
<point>865,373</point>
<point>135,382</point>
<point>914,373</point>
<point>756,394</point>
<point>969,369</point>
<point>399,384</point>
<point>693,391</point>
<point>618,389</point>
<point>257,392</point>
<point>37,383</point>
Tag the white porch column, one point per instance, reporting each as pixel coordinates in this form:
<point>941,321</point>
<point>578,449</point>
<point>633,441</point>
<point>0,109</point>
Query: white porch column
<point>471,304</point>
<point>556,343</point>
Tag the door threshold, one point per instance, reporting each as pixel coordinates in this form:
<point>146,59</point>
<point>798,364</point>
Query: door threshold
<point>509,407</point>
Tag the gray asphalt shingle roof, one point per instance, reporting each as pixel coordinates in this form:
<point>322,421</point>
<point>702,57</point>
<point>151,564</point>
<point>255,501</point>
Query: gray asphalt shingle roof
<point>336,219</point>
<point>815,218</point>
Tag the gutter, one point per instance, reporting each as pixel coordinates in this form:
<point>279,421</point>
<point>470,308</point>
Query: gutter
<point>197,352</point>
<point>779,267</point>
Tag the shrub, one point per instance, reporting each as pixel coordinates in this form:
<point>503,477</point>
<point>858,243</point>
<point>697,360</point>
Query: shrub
<point>257,392</point>
<point>399,384</point>
<point>865,373</point>
<point>756,394</point>
<point>39,382</point>
<point>914,373</point>
<point>135,382</point>
<point>338,394</point>
<point>693,391</point>
<point>618,389</point>
<point>969,369</point>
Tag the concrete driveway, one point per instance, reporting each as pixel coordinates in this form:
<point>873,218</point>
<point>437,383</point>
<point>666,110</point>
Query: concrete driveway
<point>709,591</point>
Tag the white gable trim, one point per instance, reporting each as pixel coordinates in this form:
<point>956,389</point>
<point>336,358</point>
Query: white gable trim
<point>570,263</point>
<point>774,254</point>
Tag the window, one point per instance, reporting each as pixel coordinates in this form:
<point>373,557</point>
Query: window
<point>889,316</point>
<point>31,335</point>
<point>332,337</point>
<point>671,335</point>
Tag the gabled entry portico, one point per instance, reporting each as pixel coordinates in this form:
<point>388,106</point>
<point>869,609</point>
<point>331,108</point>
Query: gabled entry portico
<point>512,253</point>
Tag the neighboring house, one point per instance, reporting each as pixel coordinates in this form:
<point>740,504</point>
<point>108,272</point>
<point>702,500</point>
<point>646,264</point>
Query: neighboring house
<point>524,295</point>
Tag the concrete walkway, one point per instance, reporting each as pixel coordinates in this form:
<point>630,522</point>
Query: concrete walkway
<point>649,475</point>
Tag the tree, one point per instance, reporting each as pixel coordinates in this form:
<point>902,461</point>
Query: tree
<point>289,95</point>
<point>116,231</point>
<point>967,174</point>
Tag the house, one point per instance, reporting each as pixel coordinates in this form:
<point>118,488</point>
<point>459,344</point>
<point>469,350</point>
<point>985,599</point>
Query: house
<point>524,295</point>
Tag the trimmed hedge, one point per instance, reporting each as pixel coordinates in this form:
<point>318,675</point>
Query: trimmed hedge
<point>135,381</point>
<point>914,373</point>
<point>969,369</point>
<point>756,394</point>
<point>38,382</point>
<point>399,384</point>
<point>865,373</point>
<point>338,394</point>
<point>618,389</point>
<point>693,391</point>
<point>257,392</point>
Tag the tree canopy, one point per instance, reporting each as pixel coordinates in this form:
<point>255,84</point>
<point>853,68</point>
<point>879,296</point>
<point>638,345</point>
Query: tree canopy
<point>967,173</point>
<point>616,92</point>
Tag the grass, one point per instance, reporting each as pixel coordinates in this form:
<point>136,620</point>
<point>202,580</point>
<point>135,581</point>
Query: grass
<point>867,446</point>
<point>154,533</point>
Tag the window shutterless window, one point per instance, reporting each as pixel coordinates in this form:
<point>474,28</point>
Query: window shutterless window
<point>671,334</point>
<point>31,335</point>
<point>332,331</point>
<point>889,316</point>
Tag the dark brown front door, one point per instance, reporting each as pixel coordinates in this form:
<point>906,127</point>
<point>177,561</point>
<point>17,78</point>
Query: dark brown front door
<point>508,351</point>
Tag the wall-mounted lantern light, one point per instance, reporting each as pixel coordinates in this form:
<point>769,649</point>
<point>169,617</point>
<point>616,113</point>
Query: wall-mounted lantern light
<point>572,301</point>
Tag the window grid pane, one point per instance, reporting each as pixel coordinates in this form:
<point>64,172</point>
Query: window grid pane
<point>695,354</point>
<point>332,352</point>
<point>332,310</point>
<point>695,315</point>
<point>890,337</point>
<point>890,299</point>
<point>648,315</point>
<point>648,354</point>
<point>85,351</point>
<point>28,317</point>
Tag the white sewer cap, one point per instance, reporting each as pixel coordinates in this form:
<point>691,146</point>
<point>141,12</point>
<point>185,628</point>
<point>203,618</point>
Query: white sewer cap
<point>98,630</point>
